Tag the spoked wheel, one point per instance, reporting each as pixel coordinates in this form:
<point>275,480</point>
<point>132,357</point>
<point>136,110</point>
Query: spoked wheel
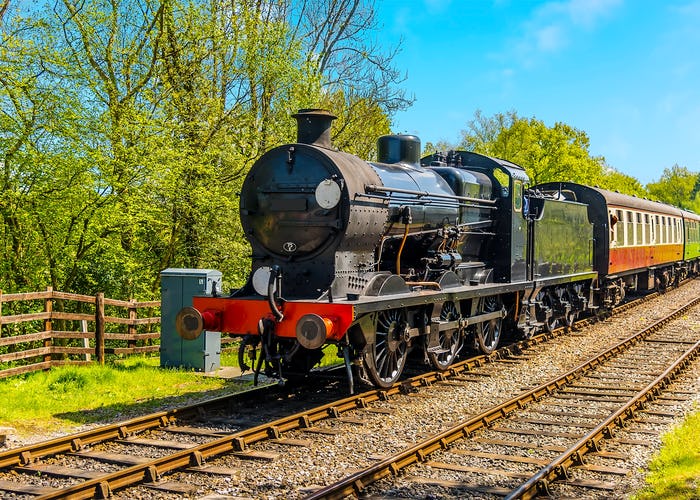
<point>571,315</point>
<point>489,333</point>
<point>450,340</point>
<point>386,358</point>
<point>546,303</point>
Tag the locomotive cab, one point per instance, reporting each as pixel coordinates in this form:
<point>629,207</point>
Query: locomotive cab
<point>504,251</point>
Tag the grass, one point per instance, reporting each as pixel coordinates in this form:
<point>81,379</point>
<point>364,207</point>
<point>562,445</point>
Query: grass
<point>675,471</point>
<point>64,398</point>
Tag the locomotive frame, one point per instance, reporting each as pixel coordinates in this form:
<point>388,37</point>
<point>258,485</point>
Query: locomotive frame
<point>381,258</point>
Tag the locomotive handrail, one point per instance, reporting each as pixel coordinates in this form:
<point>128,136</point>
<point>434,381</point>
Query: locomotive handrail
<point>434,203</point>
<point>382,189</point>
<point>467,225</point>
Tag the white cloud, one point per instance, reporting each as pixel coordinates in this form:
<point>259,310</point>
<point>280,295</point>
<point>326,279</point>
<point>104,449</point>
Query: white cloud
<point>549,38</point>
<point>552,26</point>
<point>587,13</point>
<point>437,6</point>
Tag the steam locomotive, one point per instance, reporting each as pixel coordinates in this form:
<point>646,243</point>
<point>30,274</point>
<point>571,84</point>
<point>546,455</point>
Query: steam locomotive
<point>425,256</point>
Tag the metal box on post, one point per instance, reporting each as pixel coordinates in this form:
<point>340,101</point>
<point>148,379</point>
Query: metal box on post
<point>177,287</point>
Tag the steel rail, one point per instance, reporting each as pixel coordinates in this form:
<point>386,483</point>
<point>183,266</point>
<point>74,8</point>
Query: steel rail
<point>103,486</point>
<point>71,443</point>
<point>74,442</point>
<point>558,468</point>
<point>150,471</point>
<point>355,483</point>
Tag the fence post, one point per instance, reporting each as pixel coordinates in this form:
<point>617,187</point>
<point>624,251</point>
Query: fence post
<point>86,340</point>
<point>131,328</point>
<point>100,327</point>
<point>48,323</point>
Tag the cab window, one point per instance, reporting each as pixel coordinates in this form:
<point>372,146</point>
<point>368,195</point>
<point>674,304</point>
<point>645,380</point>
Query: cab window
<point>517,196</point>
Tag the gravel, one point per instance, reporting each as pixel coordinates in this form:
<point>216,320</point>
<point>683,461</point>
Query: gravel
<point>298,470</point>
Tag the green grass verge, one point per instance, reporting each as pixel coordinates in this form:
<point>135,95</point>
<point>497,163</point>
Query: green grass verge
<point>675,471</point>
<point>64,398</point>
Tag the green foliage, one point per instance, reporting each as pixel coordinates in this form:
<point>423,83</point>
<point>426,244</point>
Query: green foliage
<point>677,186</point>
<point>127,127</point>
<point>558,153</point>
<point>441,146</point>
<point>548,154</point>
<point>360,122</point>
<point>67,397</point>
<point>675,471</point>
<point>617,181</point>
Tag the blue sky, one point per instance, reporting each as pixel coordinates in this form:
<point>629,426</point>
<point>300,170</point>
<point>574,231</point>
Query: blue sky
<point>625,72</point>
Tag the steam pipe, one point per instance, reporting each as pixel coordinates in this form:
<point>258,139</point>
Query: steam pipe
<point>272,286</point>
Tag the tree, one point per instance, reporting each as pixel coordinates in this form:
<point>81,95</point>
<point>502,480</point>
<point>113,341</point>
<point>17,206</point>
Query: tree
<point>676,187</point>
<point>127,126</point>
<point>49,194</point>
<point>489,135</point>
<point>357,74</point>
<point>441,146</point>
<point>231,76</point>
<point>614,180</point>
<point>558,153</point>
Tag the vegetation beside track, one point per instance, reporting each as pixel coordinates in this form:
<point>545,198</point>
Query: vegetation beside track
<point>675,472</point>
<point>63,399</point>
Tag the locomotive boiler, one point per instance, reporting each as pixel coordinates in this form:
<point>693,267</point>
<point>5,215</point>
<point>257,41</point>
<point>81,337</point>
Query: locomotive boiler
<point>383,258</point>
<point>333,225</point>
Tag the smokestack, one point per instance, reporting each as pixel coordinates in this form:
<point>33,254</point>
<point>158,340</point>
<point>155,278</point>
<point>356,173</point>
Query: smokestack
<point>314,127</point>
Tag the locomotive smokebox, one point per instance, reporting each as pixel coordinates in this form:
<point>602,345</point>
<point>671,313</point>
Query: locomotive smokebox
<point>314,127</point>
<point>399,149</point>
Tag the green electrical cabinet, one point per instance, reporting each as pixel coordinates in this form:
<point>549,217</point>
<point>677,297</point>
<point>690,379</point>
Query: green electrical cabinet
<point>177,287</point>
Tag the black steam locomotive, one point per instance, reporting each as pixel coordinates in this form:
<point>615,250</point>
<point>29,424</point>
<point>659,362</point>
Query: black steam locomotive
<point>403,254</point>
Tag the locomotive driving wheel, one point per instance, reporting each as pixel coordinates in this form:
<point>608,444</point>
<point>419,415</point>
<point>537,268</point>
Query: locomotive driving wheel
<point>385,359</point>
<point>488,333</point>
<point>570,314</point>
<point>450,341</point>
<point>546,311</point>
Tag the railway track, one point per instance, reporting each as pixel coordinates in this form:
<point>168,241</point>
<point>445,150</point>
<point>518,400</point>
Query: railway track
<point>180,447</point>
<point>540,442</point>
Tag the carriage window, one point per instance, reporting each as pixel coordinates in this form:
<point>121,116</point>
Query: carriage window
<point>620,229</point>
<point>639,230</point>
<point>649,236</point>
<point>629,229</point>
<point>674,229</point>
<point>664,233</point>
<point>671,231</point>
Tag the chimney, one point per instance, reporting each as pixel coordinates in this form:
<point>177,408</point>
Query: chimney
<point>314,127</point>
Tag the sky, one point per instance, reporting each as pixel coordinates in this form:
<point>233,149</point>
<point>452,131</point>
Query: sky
<point>626,72</point>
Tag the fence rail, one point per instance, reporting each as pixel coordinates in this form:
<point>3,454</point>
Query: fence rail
<point>46,329</point>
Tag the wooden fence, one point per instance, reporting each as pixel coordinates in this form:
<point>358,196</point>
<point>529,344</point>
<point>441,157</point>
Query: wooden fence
<point>51,328</point>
